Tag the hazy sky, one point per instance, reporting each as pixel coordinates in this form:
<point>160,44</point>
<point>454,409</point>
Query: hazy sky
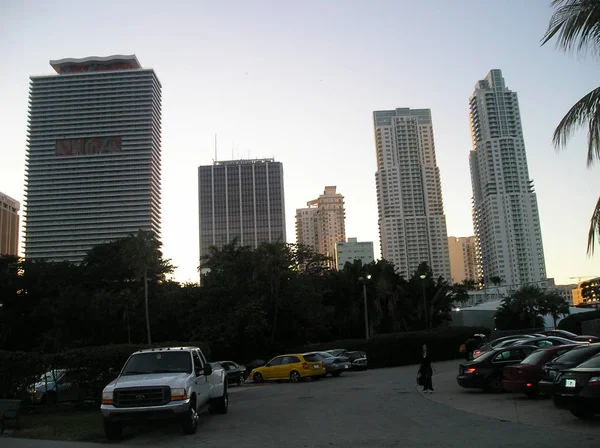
<point>298,81</point>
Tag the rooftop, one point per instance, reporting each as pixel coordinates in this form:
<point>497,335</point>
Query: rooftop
<point>95,63</point>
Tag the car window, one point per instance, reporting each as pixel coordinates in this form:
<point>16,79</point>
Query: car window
<point>275,362</point>
<point>197,360</point>
<point>545,343</point>
<point>591,363</point>
<point>502,356</point>
<point>535,358</point>
<point>290,360</point>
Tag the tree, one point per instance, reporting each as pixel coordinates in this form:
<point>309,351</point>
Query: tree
<point>496,281</point>
<point>576,26</point>
<point>553,304</point>
<point>521,309</point>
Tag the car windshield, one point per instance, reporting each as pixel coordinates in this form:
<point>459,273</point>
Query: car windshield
<point>158,362</point>
<point>593,363</point>
<point>535,357</point>
<point>578,355</point>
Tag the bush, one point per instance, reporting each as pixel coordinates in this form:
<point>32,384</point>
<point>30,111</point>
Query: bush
<point>572,322</point>
<point>17,371</point>
<point>399,349</point>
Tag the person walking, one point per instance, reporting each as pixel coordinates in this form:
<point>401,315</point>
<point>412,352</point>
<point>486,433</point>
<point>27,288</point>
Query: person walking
<point>426,370</point>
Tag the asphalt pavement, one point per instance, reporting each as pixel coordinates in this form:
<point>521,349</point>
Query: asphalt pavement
<point>377,408</point>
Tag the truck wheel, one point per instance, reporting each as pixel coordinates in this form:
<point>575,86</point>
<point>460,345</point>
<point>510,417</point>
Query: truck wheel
<point>113,430</point>
<point>295,376</point>
<point>220,405</point>
<point>189,420</point>
<point>258,378</point>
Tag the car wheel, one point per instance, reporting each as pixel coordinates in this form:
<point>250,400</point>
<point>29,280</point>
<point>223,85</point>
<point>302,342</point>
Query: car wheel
<point>532,393</point>
<point>494,384</point>
<point>220,405</point>
<point>258,378</point>
<point>189,421</point>
<point>294,376</point>
<point>113,430</point>
<point>582,412</point>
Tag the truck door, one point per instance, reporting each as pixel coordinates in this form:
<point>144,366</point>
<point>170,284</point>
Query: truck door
<point>201,382</point>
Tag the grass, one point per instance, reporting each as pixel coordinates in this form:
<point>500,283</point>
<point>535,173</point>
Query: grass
<point>70,425</point>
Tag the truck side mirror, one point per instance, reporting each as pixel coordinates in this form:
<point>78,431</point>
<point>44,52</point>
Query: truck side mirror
<point>207,369</point>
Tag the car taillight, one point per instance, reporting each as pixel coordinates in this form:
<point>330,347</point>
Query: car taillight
<point>470,370</point>
<point>304,365</point>
<point>594,381</point>
<point>528,385</point>
<point>477,352</point>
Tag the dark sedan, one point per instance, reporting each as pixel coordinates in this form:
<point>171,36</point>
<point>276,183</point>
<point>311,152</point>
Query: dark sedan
<point>525,376</point>
<point>486,371</point>
<point>236,374</point>
<point>579,388</point>
<point>544,342</point>
<point>334,365</point>
<point>500,342</point>
<point>572,336</point>
<point>567,361</point>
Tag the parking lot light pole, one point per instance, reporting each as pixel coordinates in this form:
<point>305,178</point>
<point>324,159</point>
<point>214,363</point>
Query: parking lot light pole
<point>423,277</point>
<point>364,285</point>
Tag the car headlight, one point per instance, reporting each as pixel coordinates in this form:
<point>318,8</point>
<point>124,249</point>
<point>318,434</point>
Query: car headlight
<point>178,394</point>
<point>107,397</point>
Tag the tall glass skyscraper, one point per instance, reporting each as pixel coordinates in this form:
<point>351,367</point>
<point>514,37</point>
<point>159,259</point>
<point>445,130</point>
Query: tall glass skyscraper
<point>505,211</point>
<point>241,199</point>
<point>412,224</point>
<point>93,156</point>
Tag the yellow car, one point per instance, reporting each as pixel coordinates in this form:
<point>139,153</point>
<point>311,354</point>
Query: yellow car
<point>288,367</point>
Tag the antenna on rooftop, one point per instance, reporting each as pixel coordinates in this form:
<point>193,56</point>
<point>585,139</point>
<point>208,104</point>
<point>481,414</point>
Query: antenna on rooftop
<point>216,147</point>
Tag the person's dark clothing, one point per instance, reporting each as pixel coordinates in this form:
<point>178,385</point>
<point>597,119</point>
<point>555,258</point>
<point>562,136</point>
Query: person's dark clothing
<point>470,347</point>
<point>426,372</point>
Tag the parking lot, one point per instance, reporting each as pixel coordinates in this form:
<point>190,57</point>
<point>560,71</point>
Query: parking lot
<point>376,408</point>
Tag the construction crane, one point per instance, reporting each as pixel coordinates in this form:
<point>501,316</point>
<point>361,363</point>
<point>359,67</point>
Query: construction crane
<point>582,276</point>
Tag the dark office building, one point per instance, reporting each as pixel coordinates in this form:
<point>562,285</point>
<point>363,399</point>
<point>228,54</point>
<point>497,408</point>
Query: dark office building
<point>241,199</point>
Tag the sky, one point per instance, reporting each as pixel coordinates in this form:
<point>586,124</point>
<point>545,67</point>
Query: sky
<point>298,82</point>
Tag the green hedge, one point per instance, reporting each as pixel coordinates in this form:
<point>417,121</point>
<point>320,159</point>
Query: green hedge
<point>572,322</point>
<point>398,349</point>
<point>91,365</point>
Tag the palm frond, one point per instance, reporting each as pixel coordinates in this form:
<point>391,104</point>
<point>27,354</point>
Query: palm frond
<point>576,25</point>
<point>594,229</point>
<point>586,110</point>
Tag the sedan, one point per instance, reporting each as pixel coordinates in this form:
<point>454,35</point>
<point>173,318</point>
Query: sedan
<point>579,388</point>
<point>567,361</point>
<point>486,372</point>
<point>500,342</point>
<point>572,336</point>
<point>236,374</point>
<point>334,365</point>
<point>525,376</point>
<point>543,342</point>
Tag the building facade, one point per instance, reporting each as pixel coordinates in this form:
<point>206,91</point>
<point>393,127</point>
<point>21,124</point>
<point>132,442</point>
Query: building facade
<point>505,211</point>
<point>352,250</point>
<point>93,156</point>
<point>464,259</point>
<point>587,292</point>
<point>323,223</point>
<point>241,200</point>
<point>412,224</point>
<point>9,225</point>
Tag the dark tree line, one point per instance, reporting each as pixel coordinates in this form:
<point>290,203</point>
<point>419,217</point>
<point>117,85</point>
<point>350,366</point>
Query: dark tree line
<point>252,303</point>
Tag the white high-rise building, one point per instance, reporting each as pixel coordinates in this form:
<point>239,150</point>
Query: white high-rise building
<point>412,224</point>
<point>505,212</point>
<point>93,170</point>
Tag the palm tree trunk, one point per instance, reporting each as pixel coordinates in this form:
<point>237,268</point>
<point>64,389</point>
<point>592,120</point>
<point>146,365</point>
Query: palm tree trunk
<point>146,302</point>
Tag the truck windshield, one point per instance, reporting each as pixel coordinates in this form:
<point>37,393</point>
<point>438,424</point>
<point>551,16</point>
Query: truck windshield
<point>158,362</point>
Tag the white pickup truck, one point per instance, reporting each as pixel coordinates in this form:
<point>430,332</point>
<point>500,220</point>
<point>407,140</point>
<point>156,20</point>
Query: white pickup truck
<point>161,383</point>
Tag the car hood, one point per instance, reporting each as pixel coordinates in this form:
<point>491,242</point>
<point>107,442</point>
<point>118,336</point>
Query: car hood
<point>173,380</point>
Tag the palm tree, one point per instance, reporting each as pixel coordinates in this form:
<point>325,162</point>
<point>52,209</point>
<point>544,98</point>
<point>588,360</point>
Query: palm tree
<point>576,26</point>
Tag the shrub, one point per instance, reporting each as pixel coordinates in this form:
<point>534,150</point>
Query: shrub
<point>398,349</point>
<point>572,322</point>
<point>17,371</point>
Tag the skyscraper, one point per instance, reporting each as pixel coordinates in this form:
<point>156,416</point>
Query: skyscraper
<point>464,259</point>
<point>505,212</point>
<point>241,199</point>
<point>323,223</point>
<point>9,225</point>
<point>94,156</point>
<point>412,224</point>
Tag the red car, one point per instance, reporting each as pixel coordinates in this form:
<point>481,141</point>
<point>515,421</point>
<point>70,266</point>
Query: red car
<point>524,377</point>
